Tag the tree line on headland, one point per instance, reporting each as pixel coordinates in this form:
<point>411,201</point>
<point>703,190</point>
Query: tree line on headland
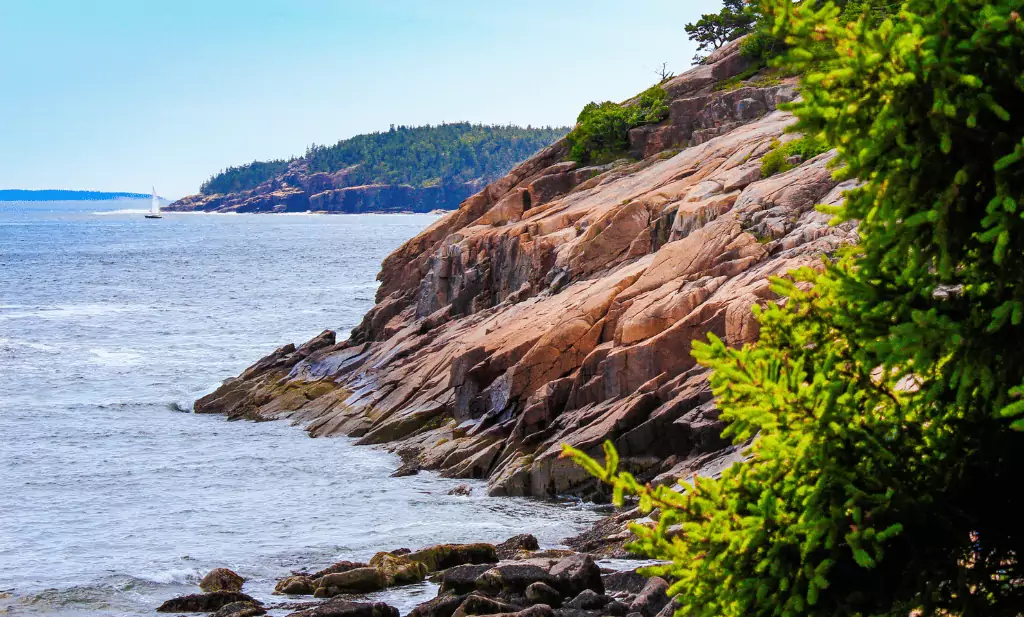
<point>419,156</point>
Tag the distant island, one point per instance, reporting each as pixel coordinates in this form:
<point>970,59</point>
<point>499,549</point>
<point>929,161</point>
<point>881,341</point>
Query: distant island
<point>416,169</point>
<point>64,195</point>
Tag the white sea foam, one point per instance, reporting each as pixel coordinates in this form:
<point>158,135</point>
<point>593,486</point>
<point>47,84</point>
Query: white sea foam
<point>122,357</point>
<point>10,342</point>
<point>173,575</point>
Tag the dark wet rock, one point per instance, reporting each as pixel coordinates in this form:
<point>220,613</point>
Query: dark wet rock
<point>578,612</point>
<point>295,586</point>
<point>542,593</point>
<point>588,599</point>
<point>513,546</point>
<point>462,489</point>
<point>441,606</point>
<point>203,602</point>
<point>462,579</point>
<point>221,579</point>
<point>445,556</point>
<point>476,604</point>
<point>293,606</point>
<point>625,581</point>
<point>607,537</point>
<point>399,569</point>
<point>550,553</point>
<point>337,608</point>
<point>240,609</point>
<point>358,580</point>
<point>537,610</point>
<point>652,598</point>
<point>408,469</point>
<point>670,609</point>
<point>574,574</point>
<point>616,609</point>
<point>513,578</point>
<point>401,551</point>
<point>341,566</point>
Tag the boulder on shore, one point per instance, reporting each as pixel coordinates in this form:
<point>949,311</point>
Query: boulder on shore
<point>511,548</point>
<point>295,586</point>
<point>652,598</point>
<point>443,605</point>
<point>574,574</point>
<point>478,604</point>
<point>341,566</point>
<point>443,556</point>
<point>542,593</point>
<point>462,579</point>
<point>399,569</point>
<point>240,609</point>
<point>204,602</point>
<point>358,580</point>
<point>221,579</point>
<point>338,608</point>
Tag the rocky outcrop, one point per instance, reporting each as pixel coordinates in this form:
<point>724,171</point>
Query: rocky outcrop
<point>559,305</point>
<point>385,570</point>
<point>204,602</point>
<point>526,582</point>
<point>221,579</point>
<point>297,190</point>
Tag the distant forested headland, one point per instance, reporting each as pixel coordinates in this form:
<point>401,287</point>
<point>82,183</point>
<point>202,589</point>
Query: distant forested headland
<point>64,195</point>
<point>421,156</point>
<point>404,169</point>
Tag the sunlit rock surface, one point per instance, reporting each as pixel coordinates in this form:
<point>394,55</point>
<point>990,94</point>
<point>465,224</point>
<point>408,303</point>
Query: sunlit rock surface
<point>559,305</point>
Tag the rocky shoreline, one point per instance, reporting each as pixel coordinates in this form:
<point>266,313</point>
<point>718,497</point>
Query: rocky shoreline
<point>298,190</point>
<point>559,304</point>
<point>515,577</point>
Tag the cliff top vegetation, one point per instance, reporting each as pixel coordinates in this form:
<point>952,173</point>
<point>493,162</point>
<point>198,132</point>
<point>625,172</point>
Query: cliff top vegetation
<point>884,399</point>
<point>420,156</point>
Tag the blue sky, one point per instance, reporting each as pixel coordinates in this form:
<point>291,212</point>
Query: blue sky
<point>124,94</point>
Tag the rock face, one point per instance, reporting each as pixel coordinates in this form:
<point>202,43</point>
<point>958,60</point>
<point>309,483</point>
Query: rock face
<point>559,305</point>
<point>299,191</point>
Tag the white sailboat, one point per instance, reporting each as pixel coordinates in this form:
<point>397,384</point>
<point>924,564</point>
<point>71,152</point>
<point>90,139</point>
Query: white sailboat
<point>154,207</point>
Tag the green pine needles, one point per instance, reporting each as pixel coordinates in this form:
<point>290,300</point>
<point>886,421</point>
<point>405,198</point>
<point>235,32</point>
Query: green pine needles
<point>884,396</point>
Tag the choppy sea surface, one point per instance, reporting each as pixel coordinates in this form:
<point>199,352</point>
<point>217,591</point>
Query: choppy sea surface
<point>113,496</point>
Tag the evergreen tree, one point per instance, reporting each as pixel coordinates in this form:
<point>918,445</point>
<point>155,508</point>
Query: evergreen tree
<point>419,156</point>
<point>884,396</point>
<point>713,30</point>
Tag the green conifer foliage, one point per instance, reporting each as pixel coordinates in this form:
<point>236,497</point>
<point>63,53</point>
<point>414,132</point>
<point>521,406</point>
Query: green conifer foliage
<point>883,398</point>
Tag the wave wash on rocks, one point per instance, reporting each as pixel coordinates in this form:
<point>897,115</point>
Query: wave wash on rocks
<point>559,304</point>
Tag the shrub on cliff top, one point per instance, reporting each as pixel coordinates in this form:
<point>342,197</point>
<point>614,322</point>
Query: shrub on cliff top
<point>777,159</point>
<point>885,397</point>
<point>602,129</point>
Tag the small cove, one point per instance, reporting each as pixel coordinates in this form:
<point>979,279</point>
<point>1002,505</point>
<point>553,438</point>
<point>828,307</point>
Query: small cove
<point>113,497</point>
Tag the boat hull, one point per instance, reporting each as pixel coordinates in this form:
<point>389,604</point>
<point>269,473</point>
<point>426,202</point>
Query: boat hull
<point>153,216</point>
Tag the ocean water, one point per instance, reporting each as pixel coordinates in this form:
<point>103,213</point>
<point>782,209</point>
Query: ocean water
<point>113,496</point>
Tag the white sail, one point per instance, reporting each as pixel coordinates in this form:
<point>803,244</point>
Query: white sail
<point>154,208</point>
